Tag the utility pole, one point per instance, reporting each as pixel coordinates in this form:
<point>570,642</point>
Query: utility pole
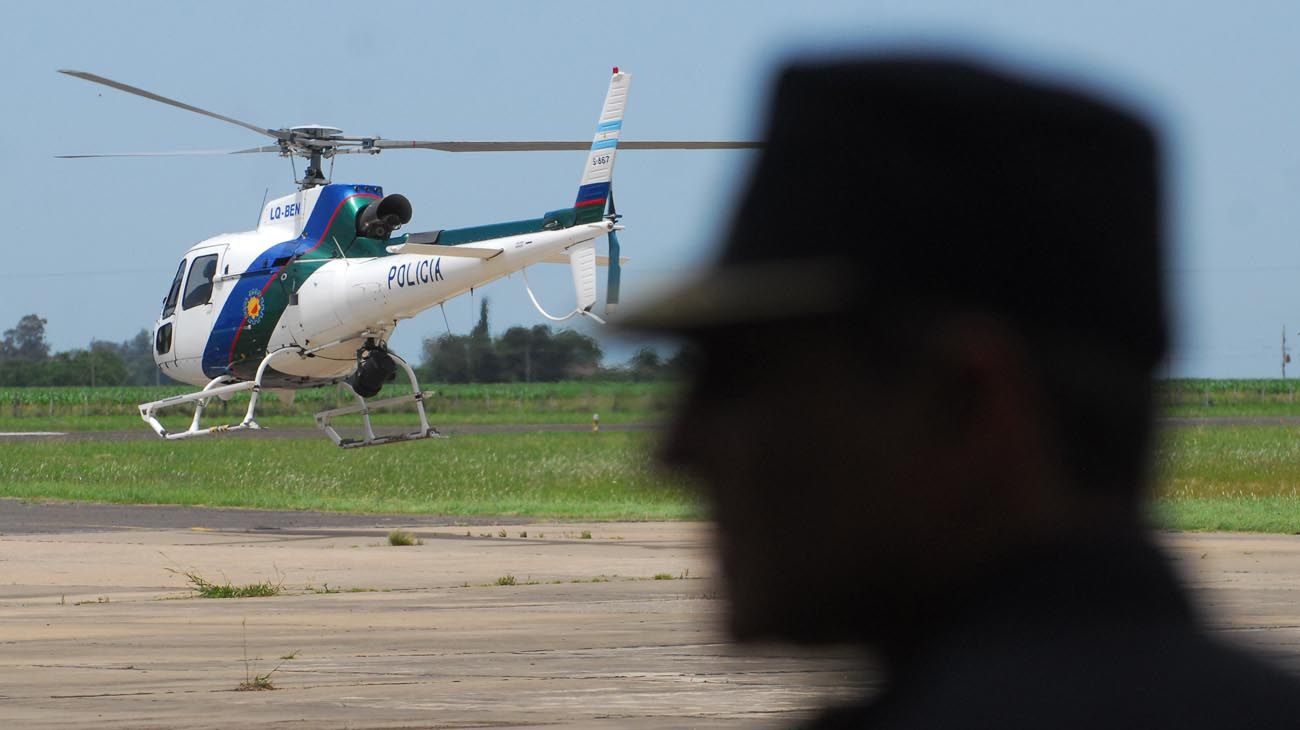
<point>1286,356</point>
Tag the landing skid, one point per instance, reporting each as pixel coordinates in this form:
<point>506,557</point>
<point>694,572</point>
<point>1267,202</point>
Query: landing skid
<point>220,387</point>
<point>225,386</point>
<point>364,407</point>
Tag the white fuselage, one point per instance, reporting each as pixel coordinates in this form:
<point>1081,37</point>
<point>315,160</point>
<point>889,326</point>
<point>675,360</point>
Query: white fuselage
<point>337,305</point>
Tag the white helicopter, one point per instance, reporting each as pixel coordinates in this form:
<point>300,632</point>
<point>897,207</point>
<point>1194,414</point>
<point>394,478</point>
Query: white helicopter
<point>312,296</point>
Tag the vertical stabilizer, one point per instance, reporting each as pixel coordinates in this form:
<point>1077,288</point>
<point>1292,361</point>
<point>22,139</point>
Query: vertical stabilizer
<point>593,190</point>
<point>582,262</point>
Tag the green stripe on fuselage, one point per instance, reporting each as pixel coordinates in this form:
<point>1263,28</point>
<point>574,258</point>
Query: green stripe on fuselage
<point>552,221</point>
<point>342,236</point>
<point>253,340</point>
<point>589,213</point>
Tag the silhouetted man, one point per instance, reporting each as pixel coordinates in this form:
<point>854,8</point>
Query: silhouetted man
<point>923,411</point>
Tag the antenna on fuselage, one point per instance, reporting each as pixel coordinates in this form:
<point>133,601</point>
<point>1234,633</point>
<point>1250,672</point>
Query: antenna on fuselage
<point>262,207</point>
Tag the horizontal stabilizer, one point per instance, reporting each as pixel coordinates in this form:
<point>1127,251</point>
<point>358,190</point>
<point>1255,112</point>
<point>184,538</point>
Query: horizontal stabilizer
<point>466,252</point>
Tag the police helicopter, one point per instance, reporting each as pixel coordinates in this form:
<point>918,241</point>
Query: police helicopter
<point>311,297</point>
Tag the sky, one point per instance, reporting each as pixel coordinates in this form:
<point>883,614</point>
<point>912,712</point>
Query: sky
<point>91,245</point>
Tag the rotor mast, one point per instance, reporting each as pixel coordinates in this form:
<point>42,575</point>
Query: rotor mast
<point>316,143</point>
<point>313,175</point>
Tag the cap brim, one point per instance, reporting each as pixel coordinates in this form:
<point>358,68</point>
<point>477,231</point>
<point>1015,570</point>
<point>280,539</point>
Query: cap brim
<point>742,294</point>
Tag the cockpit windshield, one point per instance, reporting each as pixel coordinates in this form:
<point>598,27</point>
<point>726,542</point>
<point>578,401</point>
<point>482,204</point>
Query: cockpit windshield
<point>169,304</point>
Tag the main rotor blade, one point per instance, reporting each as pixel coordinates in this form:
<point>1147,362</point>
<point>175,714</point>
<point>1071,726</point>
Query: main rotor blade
<point>687,145</point>
<point>548,146</point>
<point>176,153</point>
<point>273,133</point>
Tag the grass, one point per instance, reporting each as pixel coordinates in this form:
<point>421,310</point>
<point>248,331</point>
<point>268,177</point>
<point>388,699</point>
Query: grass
<point>402,538</point>
<point>205,588</point>
<point>606,476</point>
<point>1244,478</point>
<point>1278,515</point>
<point>114,408</point>
<point>180,419</point>
<point>1212,478</point>
<point>507,580</point>
<point>1199,397</point>
<point>254,682</point>
<point>257,682</point>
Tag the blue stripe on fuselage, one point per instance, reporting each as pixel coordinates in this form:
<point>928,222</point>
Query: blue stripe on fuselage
<point>216,354</point>
<point>328,202</point>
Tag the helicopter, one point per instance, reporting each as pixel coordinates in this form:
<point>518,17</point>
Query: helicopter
<point>311,297</point>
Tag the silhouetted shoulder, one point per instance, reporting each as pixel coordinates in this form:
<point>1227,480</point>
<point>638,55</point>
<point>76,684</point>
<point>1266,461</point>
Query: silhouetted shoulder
<point>1165,679</point>
<point>1079,636</point>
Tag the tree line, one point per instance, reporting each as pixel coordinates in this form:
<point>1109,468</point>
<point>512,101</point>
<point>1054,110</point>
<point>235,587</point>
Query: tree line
<point>26,360</point>
<point>518,355</point>
<point>532,355</point>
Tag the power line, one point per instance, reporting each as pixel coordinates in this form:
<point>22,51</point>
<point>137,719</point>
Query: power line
<point>1234,269</point>
<point>60,274</point>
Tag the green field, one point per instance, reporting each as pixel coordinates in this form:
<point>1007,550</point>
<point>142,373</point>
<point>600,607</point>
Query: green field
<point>607,476</point>
<point>1209,478</point>
<point>114,408</point>
<point>1229,478</point>
<point>1200,398</point>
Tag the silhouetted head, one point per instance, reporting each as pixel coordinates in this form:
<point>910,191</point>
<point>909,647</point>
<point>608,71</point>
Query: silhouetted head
<point>927,343</point>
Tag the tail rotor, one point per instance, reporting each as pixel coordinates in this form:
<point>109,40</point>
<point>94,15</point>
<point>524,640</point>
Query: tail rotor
<point>615,266</point>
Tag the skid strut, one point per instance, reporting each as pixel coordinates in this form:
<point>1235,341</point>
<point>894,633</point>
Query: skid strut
<point>364,407</point>
<point>221,387</point>
<point>225,386</point>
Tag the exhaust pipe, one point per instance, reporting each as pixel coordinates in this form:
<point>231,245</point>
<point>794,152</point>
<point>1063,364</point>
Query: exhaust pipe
<point>379,220</point>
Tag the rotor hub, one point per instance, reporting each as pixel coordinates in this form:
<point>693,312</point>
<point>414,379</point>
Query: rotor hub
<point>316,131</point>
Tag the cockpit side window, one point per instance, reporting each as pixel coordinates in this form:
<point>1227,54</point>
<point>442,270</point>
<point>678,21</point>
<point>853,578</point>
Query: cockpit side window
<point>162,341</point>
<point>198,288</point>
<point>169,304</point>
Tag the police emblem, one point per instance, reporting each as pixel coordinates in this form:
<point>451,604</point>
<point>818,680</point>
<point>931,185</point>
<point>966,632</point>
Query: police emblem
<point>253,307</point>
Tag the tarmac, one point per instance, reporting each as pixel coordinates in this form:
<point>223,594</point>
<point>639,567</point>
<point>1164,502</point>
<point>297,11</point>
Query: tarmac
<point>99,625</point>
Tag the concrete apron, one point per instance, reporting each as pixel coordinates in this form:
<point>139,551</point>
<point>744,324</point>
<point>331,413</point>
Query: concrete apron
<point>102,629</point>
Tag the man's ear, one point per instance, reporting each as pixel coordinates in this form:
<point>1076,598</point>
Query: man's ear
<point>987,402</point>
